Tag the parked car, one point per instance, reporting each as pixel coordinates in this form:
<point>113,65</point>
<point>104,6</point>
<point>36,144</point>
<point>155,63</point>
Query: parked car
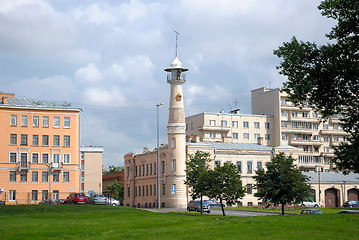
<point>350,211</point>
<point>113,202</point>
<point>351,204</point>
<point>2,202</point>
<point>76,198</point>
<point>311,211</point>
<point>196,206</point>
<point>214,203</point>
<point>309,204</point>
<point>99,199</point>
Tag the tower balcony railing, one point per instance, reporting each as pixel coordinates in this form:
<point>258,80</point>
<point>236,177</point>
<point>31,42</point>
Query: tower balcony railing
<point>24,166</point>
<point>172,76</point>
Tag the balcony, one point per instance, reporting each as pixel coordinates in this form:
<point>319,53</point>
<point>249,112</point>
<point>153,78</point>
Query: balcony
<point>296,130</point>
<point>214,128</point>
<point>24,166</point>
<point>334,132</point>
<point>56,166</point>
<point>312,160</point>
<point>295,108</point>
<point>302,142</point>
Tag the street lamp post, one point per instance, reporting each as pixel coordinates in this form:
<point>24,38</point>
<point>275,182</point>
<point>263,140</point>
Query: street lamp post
<point>158,160</point>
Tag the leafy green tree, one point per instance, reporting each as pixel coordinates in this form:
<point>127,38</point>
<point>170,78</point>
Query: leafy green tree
<point>224,183</point>
<point>326,77</point>
<point>196,168</point>
<point>116,189</point>
<point>114,169</point>
<point>282,182</point>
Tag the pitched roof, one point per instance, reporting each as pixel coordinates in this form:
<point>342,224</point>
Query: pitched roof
<point>31,103</point>
<point>330,177</point>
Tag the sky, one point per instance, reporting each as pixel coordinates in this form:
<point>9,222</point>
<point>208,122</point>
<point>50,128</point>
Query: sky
<point>108,57</point>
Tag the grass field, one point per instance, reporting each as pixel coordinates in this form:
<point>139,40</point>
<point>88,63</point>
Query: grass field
<point>106,222</point>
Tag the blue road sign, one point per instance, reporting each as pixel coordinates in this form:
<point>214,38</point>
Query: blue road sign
<point>173,189</point>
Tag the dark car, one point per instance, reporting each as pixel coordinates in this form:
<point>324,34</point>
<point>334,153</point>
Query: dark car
<point>196,206</point>
<point>350,211</point>
<point>351,204</point>
<point>2,202</point>
<point>76,198</point>
<point>214,203</point>
<point>311,211</point>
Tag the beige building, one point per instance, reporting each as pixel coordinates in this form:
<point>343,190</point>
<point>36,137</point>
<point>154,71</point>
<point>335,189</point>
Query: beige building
<point>91,169</point>
<point>39,150</point>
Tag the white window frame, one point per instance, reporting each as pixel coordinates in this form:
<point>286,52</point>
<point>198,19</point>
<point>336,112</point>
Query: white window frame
<point>245,136</point>
<point>67,122</point>
<point>67,141</point>
<point>11,138</point>
<point>256,136</point>
<point>224,123</point>
<point>256,125</point>
<point>235,135</point>
<point>66,177</point>
<point>212,122</point>
<point>24,120</point>
<point>245,124</point>
<point>67,158</point>
<point>267,137</point>
<point>12,195</point>
<point>13,120</point>
<point>33,140</point>
<point>32,157</point>
<point>45,121</point>
<point>42,158</point>
<point>235,124</point>
<point>35,121</point>
<point>56,140</point>
<point>56,123</point>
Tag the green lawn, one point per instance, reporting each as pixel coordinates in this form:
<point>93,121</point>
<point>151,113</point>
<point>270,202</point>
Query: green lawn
<point>295,210</point>
<point>106,222</point>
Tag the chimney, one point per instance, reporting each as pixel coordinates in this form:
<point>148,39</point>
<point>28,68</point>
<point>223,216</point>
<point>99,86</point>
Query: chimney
<point>4,100</point>
<point>260,140</point>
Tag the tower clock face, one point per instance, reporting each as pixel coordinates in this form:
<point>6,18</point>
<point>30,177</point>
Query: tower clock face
<point>178,97</point>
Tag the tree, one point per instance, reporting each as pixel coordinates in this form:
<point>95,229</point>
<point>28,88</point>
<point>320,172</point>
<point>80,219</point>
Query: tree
<point>326,77</point>
<point>283,182</point>
<point>116,189</point>
<point>113,169</point>
<point>224,183</point>
<point>196,168</point>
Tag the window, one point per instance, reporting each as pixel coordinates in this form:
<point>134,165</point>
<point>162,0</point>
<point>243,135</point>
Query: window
<point>212,122</point>
<point>45,194</point>
<point>143,170</point>
<point>56,140</point>
<point>151,190</point>
<point>256,124</point>
<point>66,122</point>
<point>315,115</point>
<point>66,176</point>
<point>45,176</point>
<point>305,114</point>
<point>146,169</point>
<point>139,171</point>
<point>66,141</point>
<point>335,138</point>
<point>23,158</point>
<point>249,189</point>
<point>326,149</point>
<point>249,167</point>
<point>173,165</point>
<point>267,137</point>
<point>235,124</point>
<point>217,164</point>
<point>256,136</point>
<point>154,169</point>
<point>23,176</point>
<point>45,158</point>
<point>315,126</point>
<point>235,135</point>
<point>212,134</point>
<point>67,158</point>
<point>12,195</point>
<point>284,136</point>
<point>224,134</point>
<point>45,140</point>
<point>24,121</point>
<point>154,189</point>
<point>35,121</point>
<point>82,179</point>
<point>325,126</point>
<point>173,143</point>
<point>13,139</point>
<point>146,190</point>
<point>246,136</point>
<point>139,191</point>
<point>283,101</point>
<point>294,114</point>
<point>128,192</point>
<point>224,123</point>
<point>239,166</point>
<point>245,124</point>
<point>55,194</point>
<point>24,139</point>
<point>163,189</point>
<point>151,169</point>
<point>335,127</point>
<point>56,122</point>
<point>259,165</point>
<point>35,176</point>
<point>34,195</point>
<point>45,121</point>
<point>12,176</point>
<point>163,166</point>
<point>55,177</point>
<point>315,138</point>
<point>325,139</point>
<point>13,120</point>
<point>267,125</point>
<point>284,113</point>
<point>35,158</point>
<point>35,140</point>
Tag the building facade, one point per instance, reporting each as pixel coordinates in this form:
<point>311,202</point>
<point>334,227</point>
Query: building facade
<point>39,150</point>
<point>91,169</point>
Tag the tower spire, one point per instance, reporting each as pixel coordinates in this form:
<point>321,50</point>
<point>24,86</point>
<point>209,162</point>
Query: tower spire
<point>177,33</point>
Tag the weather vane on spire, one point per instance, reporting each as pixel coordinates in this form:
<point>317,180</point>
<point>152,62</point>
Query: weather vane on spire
<point>177,33</point>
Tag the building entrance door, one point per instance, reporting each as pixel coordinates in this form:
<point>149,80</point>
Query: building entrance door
<point>353,194</point>
<point>331,198</point>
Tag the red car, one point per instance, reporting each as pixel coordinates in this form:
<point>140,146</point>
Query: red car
<point>76,198</point>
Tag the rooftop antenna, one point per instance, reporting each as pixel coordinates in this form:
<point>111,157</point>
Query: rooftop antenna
<point>235,103</point>
<point>270,84</point>
<point>177,33</point>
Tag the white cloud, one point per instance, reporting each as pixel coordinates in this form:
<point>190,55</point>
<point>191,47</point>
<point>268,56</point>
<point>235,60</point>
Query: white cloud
<point>34,27</point>
<point>93,14</point>
<point>88,74</point>
<point>104,97</point>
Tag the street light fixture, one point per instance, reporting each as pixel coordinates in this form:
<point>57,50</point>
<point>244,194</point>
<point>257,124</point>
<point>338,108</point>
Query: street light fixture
<point>158,159</point>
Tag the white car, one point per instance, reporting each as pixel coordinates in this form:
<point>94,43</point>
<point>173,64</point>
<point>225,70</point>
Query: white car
<point>113,202</point>
<point>309,204</point>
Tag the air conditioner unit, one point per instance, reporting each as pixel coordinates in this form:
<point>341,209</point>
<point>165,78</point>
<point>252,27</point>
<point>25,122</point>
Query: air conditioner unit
<point>1,189</point>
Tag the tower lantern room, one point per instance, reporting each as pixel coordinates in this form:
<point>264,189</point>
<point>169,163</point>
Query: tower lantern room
<point>176,71</point>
